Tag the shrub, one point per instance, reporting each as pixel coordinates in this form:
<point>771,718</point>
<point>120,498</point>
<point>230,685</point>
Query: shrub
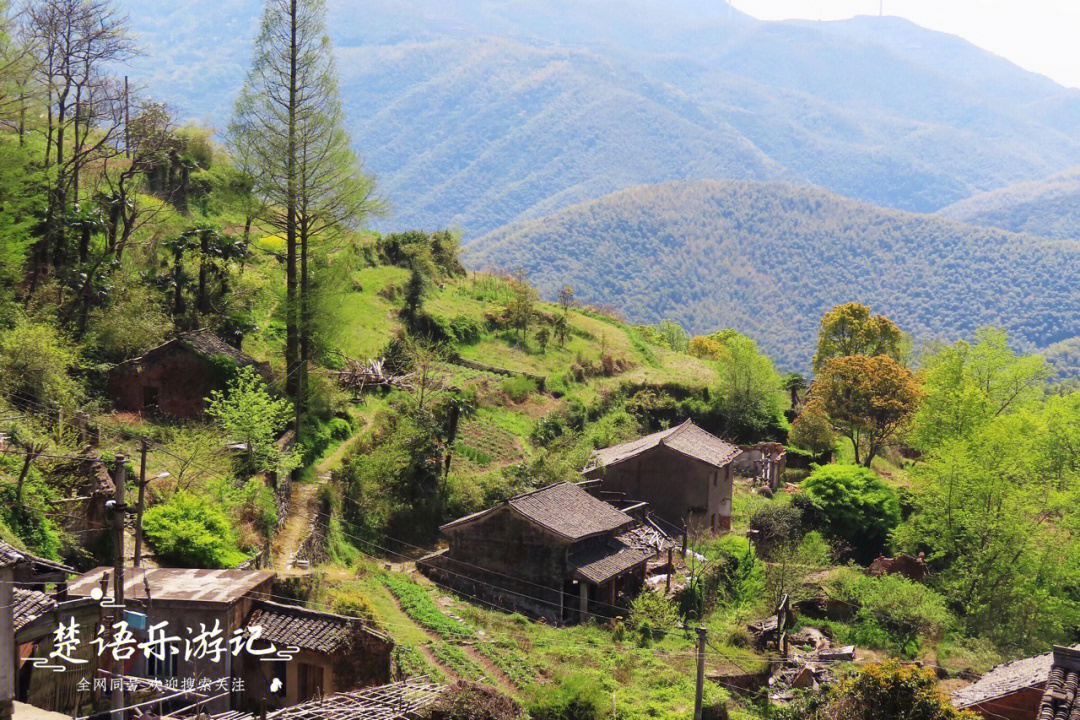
<point>577,697</point>
<point>859,509</point>
<point>340,429</point>
<point>469,701</point>
<point>519,387</point>
<point>37,361</point>
<point>466,330</point>
<point>652,614</point>
<point>191,531</point>
<point>29,522</point>
<point>892,690</point>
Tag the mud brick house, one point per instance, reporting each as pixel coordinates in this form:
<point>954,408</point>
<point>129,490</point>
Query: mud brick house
<point>685,474</point>
<point>1043,687</point>
<point>18,568</point>
<point>556,553</point>
<point>175,377</point>
<point>336,654</point>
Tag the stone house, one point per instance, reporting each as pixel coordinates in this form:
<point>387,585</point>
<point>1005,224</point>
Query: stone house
<point>175,377</point>
<point>557,553</point>
<point>335,653</point>
<point>764,462</point>
<point>1035,688</point>
<point>684,473</point>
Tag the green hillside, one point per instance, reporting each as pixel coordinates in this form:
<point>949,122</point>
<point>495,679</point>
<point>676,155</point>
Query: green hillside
<point>477,114</point>
<point>1049,207</point>
<point>768,259</point>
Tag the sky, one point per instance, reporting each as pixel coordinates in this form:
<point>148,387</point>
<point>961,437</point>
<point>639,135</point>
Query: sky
<point>1038,35</point>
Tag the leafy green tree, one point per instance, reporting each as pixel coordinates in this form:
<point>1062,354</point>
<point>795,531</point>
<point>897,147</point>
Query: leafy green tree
<point>36,362</point>
<point>812,430</point>
<point>891,690</point>
<point>869,398</point>
<point>967,385</point>
<point>247,413</point>
<point>22,192</point>
<point>522,304</point>
<point>543,336</point>
<point>850,329</point>
<point>749,395</point>
<point>859,509</point>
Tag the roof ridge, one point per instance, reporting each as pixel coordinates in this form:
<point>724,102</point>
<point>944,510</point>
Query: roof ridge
<point>322,613</point>
<point>677,430</point>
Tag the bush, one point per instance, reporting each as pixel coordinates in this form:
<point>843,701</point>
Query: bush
<point>859,509</point>
<point>469,701</point>
<point>191,531</point>
<point>340,429</point>
<point>466,330</point>
<point>577,697</point>
<point>653,615</point>
<point>519,387</point>
<point>37,361</point>
<point>29,523</point>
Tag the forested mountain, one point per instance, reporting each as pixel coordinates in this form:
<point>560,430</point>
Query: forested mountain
<point>482,113</point>
<point>1049,207</point>
<point>769,258</point>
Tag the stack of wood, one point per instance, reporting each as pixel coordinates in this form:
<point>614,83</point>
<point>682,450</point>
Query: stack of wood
<point>358,376</point>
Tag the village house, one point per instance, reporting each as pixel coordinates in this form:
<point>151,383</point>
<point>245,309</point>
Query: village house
<point>336,653</point>
<point>684,473</point>
<point>556,553</point>
<point>326,652</point>
<point>19,571</point>
<point>175,378</point>
<point>1035,688</point>
<point>764,463</point>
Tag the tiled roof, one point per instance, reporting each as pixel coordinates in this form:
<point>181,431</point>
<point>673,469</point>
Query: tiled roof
<point>204,342</point>
<point>687,439</point>
<point>304,628</point>
<point>28,604</point>
<point>564,509</point>
<point>1006,679</point>
<point>210,586</point>
<point>618,554</point>
<point>1059,700</point>
<point>10,556</point>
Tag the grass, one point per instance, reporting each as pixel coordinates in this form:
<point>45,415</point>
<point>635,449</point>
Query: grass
<point>418,605</point>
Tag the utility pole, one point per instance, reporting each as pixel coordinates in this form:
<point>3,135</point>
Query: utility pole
<point>140,504</point>
<point>701,631</point>
<point>119,510</point>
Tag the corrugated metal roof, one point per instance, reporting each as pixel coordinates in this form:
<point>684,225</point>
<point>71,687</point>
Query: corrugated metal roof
<point>687,439</point>
<point>211,586</point>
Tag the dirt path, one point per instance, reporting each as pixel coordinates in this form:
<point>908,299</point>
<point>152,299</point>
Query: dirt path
<point>304,505</point>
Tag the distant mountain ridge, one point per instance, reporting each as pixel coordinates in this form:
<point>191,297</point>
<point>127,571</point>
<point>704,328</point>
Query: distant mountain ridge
<point>478,113</point>
<point>1048,207</point>
<point>770,258</point>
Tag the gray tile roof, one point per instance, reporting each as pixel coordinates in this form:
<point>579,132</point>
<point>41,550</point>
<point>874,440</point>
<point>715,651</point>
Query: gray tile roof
<point>209,586</point>
<point>687,439</point>
<point>304,628</point>
<point>616,555</point>
<point>1059,700</point>
<point>29,604</point>
<point>10,556</point>
<point>204,342</point>
<point>564,509</point>
<point>1006,679</point>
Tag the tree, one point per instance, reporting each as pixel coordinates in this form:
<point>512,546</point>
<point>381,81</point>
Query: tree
<point>74,42</point>
<point>892,690</point>
<point>967,385</point>
<point>795,383</point>
<point>850,329</point>
<point>812,430</point>
<point>869,398</point>
<point>35,365</point>
<point>248,414</point>
<point>543,336</point>
<point>859,509</point>
<point>522,305</point>
<point>289,129</point>
<point>566,298</point>
<point>749,394</point>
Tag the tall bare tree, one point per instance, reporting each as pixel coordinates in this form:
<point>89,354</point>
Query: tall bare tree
<point>73,42</point>
<point>288,134</point>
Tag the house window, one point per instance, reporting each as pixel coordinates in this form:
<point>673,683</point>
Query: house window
<point>166,668</point>
<point>150,396</point>
<point>714,521</point>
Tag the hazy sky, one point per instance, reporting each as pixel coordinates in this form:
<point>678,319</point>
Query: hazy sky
<point>1039,35</point>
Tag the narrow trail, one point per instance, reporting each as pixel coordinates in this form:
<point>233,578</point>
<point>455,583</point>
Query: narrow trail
<point>304,506</point>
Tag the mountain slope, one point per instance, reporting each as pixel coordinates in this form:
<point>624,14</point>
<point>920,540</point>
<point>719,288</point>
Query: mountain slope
<point>482,112</point>
<point>769,259</point>
<point>1049,207</point>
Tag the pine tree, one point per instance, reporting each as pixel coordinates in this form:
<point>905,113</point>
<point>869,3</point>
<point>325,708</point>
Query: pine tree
<point>289,133</point>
